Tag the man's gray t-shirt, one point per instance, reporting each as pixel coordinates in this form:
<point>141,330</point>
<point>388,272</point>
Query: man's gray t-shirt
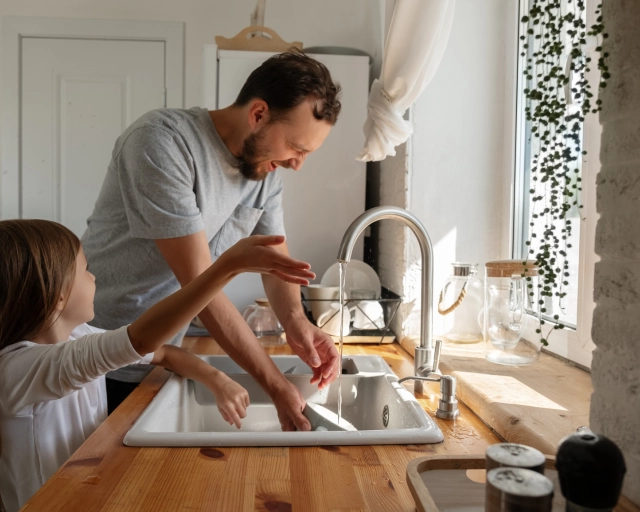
<point>170,175</point>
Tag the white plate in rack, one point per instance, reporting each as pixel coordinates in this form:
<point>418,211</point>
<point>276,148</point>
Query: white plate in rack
<point>359,276</point>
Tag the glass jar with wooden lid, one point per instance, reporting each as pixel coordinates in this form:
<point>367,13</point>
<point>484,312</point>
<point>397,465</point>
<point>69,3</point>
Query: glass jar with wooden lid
<point>512,312</point>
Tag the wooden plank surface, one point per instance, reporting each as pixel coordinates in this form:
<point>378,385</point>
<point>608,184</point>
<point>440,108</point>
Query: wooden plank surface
<point>104,475</point>
<point>536,405</point>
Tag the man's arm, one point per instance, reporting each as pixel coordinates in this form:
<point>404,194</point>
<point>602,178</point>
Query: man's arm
<point>312,345</point>
<point>188,257</point>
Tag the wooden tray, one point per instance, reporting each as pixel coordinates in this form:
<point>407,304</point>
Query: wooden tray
<point>443,483</point>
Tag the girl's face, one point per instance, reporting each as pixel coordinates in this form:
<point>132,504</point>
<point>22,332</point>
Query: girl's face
<point>78,307</point>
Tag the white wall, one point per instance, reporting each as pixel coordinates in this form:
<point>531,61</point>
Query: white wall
<point>457,178</point>
<point>330,22</point>
<point>354,23</point>
<point>460,139</point>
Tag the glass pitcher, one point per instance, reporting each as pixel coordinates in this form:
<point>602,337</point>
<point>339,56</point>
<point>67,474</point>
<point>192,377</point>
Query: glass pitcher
<point>264,323</point>
<point>512,312</point>
<point>460,303</point>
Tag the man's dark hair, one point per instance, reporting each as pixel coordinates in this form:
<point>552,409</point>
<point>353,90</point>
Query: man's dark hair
<point>286,80</point>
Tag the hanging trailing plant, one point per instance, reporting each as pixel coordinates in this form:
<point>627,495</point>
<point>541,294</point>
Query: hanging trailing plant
<point>559,97</point>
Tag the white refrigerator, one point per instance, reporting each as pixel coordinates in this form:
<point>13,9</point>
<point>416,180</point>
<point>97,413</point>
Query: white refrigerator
<point>328,193</point>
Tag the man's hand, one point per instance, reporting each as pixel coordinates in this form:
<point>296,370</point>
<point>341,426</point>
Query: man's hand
<point>316,348</point>
<point>289,404</point>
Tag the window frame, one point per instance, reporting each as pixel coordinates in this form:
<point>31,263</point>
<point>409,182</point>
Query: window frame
<point>576,344</point>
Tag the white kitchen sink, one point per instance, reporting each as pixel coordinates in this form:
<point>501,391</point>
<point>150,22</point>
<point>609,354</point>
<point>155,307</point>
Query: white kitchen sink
<point>184,412</point>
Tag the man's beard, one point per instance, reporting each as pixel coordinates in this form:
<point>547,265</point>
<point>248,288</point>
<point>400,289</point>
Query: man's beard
<point>253,152</point>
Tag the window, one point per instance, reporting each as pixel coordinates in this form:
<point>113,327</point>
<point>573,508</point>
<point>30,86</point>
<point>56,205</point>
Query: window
<point>576,309</point>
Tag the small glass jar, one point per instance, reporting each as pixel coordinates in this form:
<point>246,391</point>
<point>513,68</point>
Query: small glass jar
<point>460,303</point>
<point>264,323</point>
<point>512,312</point>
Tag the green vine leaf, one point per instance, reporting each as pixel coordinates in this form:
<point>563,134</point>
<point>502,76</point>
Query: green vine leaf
<point>559,97</point>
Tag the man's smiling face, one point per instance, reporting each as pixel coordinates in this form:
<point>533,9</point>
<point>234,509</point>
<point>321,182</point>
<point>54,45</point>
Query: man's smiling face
<point>285,142</point>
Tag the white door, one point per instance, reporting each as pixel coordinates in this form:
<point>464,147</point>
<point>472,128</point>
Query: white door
<point>77,96</point>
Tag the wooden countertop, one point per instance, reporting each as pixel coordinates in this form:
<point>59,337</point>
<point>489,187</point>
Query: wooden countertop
<point>105,475</point>
<point>536,405</point>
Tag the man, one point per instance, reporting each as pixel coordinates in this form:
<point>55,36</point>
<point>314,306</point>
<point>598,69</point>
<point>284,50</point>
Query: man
<point>183,186</point>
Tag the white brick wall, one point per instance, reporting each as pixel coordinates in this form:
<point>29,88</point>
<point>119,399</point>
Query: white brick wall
<point>615,406</point>
<point>400,261</point>
<point>392,235</point>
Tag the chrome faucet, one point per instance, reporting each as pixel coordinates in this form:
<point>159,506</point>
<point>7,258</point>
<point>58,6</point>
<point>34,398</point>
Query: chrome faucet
<point>427,355</point>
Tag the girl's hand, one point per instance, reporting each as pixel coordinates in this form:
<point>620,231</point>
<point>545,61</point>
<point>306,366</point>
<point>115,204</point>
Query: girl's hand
<point>255,254</point>
<point>231,398</point>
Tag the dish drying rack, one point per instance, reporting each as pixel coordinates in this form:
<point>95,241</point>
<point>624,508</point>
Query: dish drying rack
<point>390,303</point>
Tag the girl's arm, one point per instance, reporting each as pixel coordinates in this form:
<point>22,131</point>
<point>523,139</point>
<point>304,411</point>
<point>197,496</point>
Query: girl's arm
<point>231,398</point>
<point>37,373</point>
<point>253,254</point>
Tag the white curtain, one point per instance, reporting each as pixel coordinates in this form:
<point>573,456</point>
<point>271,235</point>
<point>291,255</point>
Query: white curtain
<point>417,38</point>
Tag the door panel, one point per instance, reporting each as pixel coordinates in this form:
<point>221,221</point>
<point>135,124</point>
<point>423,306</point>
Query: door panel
<point>77,96</point>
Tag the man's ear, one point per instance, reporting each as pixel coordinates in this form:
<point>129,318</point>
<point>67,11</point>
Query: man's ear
<point>258,114</point>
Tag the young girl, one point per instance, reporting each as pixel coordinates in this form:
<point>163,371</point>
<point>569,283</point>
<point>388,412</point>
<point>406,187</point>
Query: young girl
<point>52,364</point>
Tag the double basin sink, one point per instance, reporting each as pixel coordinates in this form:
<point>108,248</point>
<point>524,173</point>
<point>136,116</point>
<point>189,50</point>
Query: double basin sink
<point>184,412</point>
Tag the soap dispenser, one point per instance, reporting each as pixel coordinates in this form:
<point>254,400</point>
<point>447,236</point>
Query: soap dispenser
<point>591,469</point>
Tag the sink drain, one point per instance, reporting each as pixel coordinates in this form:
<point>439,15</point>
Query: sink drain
<point>385,415</point>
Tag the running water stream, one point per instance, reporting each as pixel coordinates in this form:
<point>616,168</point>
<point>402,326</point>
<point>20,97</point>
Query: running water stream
<point>343,272</point>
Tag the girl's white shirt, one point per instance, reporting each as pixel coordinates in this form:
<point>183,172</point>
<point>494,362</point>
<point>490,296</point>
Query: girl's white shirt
<point>52,398</point>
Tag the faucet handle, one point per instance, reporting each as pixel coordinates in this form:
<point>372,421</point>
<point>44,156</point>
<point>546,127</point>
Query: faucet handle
<point>426,369</point>
<point>436,355</point>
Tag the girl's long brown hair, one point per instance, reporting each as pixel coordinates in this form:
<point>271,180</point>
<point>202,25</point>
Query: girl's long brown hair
<point>37,264</point>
